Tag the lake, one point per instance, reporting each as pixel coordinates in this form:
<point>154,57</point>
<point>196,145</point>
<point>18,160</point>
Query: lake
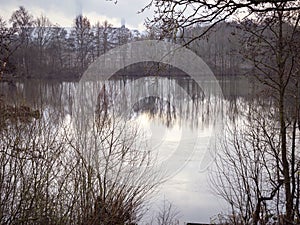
<point>181,121</point>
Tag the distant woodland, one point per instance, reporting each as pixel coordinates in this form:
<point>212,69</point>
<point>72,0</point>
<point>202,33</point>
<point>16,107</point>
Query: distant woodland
<point>34,47</point>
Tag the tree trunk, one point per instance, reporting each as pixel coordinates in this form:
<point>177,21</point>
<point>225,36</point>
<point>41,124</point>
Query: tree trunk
<point>283,134</point>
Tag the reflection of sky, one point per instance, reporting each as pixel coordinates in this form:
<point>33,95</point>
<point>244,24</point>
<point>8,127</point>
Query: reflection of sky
<point>189,189</point>
<point>160,137</point>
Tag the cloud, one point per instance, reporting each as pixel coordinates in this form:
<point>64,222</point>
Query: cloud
<point>94,18</point>
<point>64,12</point>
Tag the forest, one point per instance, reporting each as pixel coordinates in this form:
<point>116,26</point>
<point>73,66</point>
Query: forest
<point>33,47</point>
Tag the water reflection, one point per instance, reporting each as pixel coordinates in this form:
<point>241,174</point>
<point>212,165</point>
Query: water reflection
<point>153,106</point>
<point>190,107</point>
<point>171,108</point>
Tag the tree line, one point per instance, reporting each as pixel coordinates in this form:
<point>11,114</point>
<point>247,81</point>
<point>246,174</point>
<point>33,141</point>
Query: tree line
<point>35,47</point>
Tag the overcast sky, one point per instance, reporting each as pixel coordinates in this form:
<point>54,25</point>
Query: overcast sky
<point>63,12</point>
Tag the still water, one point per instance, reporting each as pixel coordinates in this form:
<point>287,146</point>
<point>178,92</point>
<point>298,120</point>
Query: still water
<point>180,119</point>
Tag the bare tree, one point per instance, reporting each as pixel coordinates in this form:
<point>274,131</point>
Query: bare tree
<point>82,37</point>
<point>58,51</point>
<point>115,172</point>
<point>247,171</point>
<point>53,173</point>
<point>181,15</point>
<point>23,21</point>
<point>273,30</point>
<point>102,33</point>
<point>8,46</point>
<point>42,37</point>
<point>166,214</point>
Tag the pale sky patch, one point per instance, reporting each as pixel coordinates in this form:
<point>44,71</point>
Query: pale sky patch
<point>94,18</point>
<point>64,12</point>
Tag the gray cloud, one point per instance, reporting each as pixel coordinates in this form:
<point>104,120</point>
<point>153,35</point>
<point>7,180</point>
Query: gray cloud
<point>63,12</point>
